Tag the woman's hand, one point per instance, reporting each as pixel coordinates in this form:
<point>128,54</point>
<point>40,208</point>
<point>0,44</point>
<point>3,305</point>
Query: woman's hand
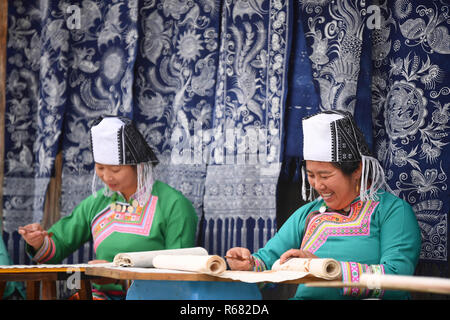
<point>33,234</point>
<point>240,259</point>
<point>296,253</point>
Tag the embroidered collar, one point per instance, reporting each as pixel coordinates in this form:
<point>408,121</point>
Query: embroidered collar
<point>324,208</point>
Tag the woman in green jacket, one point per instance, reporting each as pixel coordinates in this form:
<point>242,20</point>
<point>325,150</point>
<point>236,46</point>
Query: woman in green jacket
<point>131,213</point>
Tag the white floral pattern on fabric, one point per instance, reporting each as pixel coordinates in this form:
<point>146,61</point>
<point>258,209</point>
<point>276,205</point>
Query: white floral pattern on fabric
<point>411,109</point>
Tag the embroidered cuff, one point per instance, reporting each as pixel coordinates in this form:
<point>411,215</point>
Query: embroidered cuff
<point>45,252</point>
<point>259,264</point>
<point>351,271</point>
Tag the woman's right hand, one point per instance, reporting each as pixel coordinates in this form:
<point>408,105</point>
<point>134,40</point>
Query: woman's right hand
<point>240,259</point>
<point>33,234</point>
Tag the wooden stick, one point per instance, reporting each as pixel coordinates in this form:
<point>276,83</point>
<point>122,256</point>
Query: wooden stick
<point>408,283</point>
<point>393,282</point>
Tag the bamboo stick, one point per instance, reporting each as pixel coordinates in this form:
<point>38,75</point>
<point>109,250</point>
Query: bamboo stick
<point>393,282</point>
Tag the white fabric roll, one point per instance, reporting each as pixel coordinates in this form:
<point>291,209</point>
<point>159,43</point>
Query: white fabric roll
<point>323,268</point>
<point>144,259</point>
<point>210,264</point>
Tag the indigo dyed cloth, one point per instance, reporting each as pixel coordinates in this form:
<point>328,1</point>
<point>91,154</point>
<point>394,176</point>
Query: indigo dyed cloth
<point>218,88</point>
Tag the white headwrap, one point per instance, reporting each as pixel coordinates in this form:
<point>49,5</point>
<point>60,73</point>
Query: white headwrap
<point>116,141</point>
<point>332,136</point>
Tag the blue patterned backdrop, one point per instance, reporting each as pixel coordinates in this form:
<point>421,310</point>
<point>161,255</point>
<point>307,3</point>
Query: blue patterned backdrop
<point>218,88</point>
<point>410,109</point>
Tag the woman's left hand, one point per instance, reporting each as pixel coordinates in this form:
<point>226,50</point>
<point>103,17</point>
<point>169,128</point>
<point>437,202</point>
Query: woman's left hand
<point>296,253</point>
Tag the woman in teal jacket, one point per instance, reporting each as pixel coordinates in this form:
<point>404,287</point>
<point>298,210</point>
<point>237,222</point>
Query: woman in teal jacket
<point>352,220</point>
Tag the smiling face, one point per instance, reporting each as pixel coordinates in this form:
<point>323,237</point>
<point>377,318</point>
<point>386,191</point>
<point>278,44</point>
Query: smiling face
<point>337,189</point>
<point>119,178</point>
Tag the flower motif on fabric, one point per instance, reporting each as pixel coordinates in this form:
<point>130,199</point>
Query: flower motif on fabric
<point>189,46</point>
<point>430,32</point>
<point>336,49</point>
<point>113,65</point>
<point>404,100</point>
<point>411,103</point>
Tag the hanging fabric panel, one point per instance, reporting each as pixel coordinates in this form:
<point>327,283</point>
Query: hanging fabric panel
<point>245,140</point>
<point>330,69</point>
<point>99,82</point>
<point>302,98</point>
<point>175,76</point>
<point>411,104</point>
<point>37,52</point>
<point>68,64</point>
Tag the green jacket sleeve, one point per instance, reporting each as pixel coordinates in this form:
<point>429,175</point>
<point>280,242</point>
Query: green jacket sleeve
<point>181,226</point>
<point>67,235</point>
<point>288,237</point>
<point>400,244</point>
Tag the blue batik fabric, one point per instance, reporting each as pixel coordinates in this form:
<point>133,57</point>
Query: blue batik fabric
<point>67,64</point>
<point>174,87</point>
<point>302,99</point>
<point>37,62</point>
<point>411,105</point>
<point>330,68</point>
<point>245,139</point>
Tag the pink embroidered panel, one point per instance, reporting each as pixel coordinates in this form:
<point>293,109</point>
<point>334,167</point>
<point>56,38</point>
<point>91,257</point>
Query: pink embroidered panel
<point>138,222</point>
<point>333,224</point>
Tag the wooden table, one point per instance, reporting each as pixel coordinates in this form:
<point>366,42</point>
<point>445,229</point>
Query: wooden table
<point>130,274</point>
<point>41,282</point>
<point>185,285</point>
<point>385,282</point>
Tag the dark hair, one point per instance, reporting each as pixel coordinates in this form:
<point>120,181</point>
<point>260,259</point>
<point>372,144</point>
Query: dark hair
<point>347,167</point>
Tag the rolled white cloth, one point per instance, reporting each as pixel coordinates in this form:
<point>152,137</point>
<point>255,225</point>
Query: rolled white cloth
<point>144,259</point>
<point>210,264</point>
<point>324,268</point>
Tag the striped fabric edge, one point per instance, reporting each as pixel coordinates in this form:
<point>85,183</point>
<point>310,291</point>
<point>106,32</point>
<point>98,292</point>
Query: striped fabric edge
<point>46,251</point>
<point>259,264</point>
<point>351,272</point>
